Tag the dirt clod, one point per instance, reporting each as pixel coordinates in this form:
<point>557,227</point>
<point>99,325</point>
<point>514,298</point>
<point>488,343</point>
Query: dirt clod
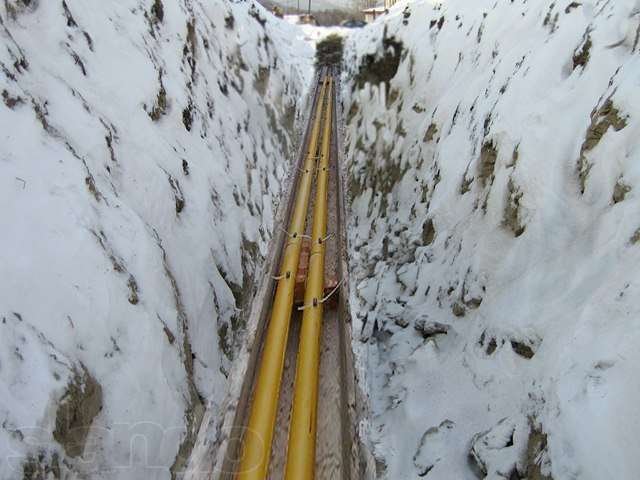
<point>620,191</point>
<point>11,101</point>
<point>431,132</point>
<point>571,6</point>
<point>41,467</point>
<point>157,10</point>
<point>582,54</point>
<point>522,349</point>
<point>486,167</point>
<point>430,329</point>
<point>133,290</point>
<point>537,456</point>
<point>512,215</point>
<point>161,104</point>
<point>428,232</point>
<point>458,309</point>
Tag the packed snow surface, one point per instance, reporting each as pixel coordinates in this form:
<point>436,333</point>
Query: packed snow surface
<point>143,149</point>
<point>494,237</point>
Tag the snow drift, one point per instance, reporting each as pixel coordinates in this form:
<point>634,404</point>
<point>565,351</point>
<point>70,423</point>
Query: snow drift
<point>144,145</point>
<point>495,237</point>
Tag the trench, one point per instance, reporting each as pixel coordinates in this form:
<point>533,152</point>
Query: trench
<point>338,453</point>
<point>330,461</point>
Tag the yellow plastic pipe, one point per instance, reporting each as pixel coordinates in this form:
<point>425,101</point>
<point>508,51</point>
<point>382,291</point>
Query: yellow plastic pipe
<point>256,449</point>
<point>301,453</point>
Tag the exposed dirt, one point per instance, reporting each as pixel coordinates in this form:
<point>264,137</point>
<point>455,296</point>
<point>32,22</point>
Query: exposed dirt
<point>603,118</point>
<point>512,215</point>
<point>382,66</point>
<point>431,132</point>
<point>583,52</point>
<point>488,157</point>
<point>428,232</point>
<point>329,50</point>
<point>41,467</point>
<point>522,349</point>
<point>78,407</point>
<point>620,191</point>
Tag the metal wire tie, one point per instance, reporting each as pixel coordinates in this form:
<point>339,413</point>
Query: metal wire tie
<point>315,302</point>
<point>284,275</point>
<point>322,240</point>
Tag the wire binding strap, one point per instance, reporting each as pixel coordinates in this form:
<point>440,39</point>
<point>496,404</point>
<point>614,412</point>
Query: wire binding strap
<point>290,235</point>
<point>313,304</point>
<point>317,302</point>
<point>284,275</point>
<point>332,291</point>
<point>324,239</point>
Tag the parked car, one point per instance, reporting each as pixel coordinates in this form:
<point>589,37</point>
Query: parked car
<point>353,23</point>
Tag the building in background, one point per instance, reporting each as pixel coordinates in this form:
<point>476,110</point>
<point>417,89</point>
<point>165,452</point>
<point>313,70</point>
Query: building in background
<point>374,8</point>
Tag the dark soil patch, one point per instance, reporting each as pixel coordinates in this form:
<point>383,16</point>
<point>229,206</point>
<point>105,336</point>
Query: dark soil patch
<point>161,104</point>
<point>157,10</point>
<point>428,232</point>
<point>536,452</point>
<point>380,67</point>
<point>431,132</point>
<point>67,13</point>
<point>187,117</point>
<point>522,349</point>
<point>10,101</point>
<point>491,346</point>
<point>607,116</point>
<point>80,404</point>
<point>620,191</point>
<point>571,6</point>
<point>488,157</point>
<point>582,54</point>
<point>329,50</point>
<point>41,467</point>
<point>430,329</point>
<point>512,216</point>
<point>261,80</point>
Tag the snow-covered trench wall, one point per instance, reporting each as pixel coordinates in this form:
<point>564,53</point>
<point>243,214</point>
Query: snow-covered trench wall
<point>143,148</point>
<point>494,168</point>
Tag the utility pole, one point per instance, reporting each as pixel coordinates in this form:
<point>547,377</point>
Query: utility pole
<point>309,12</point>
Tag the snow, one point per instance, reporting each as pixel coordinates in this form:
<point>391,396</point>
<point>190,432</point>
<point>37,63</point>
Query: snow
<point>130,242</point>
<point>493,228</point>
<point>497,130</point>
